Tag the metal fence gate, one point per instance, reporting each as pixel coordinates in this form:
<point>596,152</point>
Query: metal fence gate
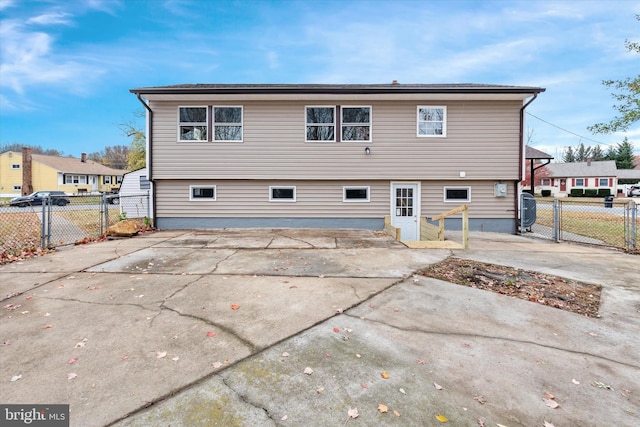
<point>49,225</point>
<point>607,223</point>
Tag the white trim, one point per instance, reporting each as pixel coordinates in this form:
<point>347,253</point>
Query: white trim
<point>213,123</point>
<point>306,124</point>
<point>417,206</point>
<point>15,166</point>
<point>284,187</point>
<point>356,187</point>
<point>193,124</point>
<point>456,187</point>
<point>444,121</point>
<point>370,124</point>
<point>203,199</point>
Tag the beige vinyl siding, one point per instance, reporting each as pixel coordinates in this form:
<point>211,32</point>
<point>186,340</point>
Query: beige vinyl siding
<point>319,199</point>
<point>482,140</point>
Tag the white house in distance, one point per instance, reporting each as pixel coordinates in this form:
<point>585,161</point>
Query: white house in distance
<point>335,156</point>
<point>135,194</point>
<point>596,175</point>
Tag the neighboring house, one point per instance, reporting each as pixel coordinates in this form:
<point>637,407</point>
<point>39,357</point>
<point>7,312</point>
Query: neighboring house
<point>335,156</point>
<point>563,177</point>
<point>68,174</point>
<point>135,194</point>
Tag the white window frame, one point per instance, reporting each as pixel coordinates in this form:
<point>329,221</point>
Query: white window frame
<point>284,187</point>
<point>333,124</point>
<point>606,182</point>
<point>581,184</point>
<point>203,199</point>
<point>106,179</point>
<point>455,187</point>
<point>444,121</point>
<point>15,165</point>
<point>224,124</point>
<point>193,124</point>
<point>545,182</point>
<point>343,124</point>
<point>356,187</point>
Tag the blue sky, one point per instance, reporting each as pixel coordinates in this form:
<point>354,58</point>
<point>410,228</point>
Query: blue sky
<point>66,66</point>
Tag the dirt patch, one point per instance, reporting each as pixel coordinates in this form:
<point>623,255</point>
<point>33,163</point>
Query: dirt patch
<point>559,292</point>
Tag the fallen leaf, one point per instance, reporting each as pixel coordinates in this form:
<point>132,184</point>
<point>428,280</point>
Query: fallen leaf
<point>551,403</point>
<point>500,425</point>
<point>284,418</point>
<point>216,364</point>
<point>480,422</point>
<point>320,390</point>
<point>382,408</point>
<point>548,424</point>
<point>358,356</point>
<point>402,391</point>
<point>437,386</point>
<point>353,412</point>
<point>575,381</point>
<point>285,354</point>
<point>71,376</point>
<point>396,413</point>
<point>347,330</point>
<point>235,307</point>
<point>175,359</point>
<point>601,385</point>
<point>336,330</point>
<point>385,375</point>
<point>363,385</point>
<point>161,354</point>
<point>15,378</point>
<point>420,362</point>
<point>549,396</point>
<point>211,334</point>
<point>480,399</point>
<point>47,327</point>
<point>81,343</point>
<point>72,361</point>
<point>308,370</point>
<point>441,418</point>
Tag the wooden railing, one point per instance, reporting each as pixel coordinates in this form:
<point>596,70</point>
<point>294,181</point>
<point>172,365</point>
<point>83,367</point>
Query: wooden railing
<point>432,232</point>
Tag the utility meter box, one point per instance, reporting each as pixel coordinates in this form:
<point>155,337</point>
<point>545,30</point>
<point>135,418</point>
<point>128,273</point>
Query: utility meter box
<point>500,189</point>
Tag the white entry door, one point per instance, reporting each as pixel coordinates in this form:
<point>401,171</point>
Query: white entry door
<point>405,210</point>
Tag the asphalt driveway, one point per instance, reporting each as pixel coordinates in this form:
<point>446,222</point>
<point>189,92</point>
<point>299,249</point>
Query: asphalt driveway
<point>304,327</point>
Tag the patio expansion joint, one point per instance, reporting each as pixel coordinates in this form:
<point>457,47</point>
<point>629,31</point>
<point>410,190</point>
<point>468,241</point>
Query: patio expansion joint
<point>494,338</point>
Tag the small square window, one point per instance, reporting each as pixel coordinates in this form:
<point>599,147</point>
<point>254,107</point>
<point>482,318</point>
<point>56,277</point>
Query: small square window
<point>432,121</point>
<point>457,194</point>
<point>15,166</point>
<point>355,194</point>
<point>282,194</point>
<point>202,192</point>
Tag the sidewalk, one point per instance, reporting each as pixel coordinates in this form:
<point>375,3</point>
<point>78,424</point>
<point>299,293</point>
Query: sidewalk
<point>188,328</point>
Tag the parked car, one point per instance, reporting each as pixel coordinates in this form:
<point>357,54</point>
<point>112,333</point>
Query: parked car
<point>113,199</point>
<point>634,191</point>
<point>39,197</point>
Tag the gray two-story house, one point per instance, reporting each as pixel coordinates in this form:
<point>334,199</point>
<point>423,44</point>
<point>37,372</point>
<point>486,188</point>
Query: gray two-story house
<point>335,156</point>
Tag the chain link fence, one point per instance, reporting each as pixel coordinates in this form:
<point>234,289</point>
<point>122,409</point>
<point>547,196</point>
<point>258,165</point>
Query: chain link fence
<point>52,223</point>
<point>607,222</point>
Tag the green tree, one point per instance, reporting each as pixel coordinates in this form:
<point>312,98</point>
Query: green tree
<point>597,154</point>
<point>623,155</point>
<point>627,93</point>
<point>568,156</point>
<point>582,153</point>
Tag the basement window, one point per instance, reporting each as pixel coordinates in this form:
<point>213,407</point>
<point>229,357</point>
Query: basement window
<point>355,194</point>
<point>457,194</point>
<point>198,193</point>
<point>15,165</point>
<point>282,194</point>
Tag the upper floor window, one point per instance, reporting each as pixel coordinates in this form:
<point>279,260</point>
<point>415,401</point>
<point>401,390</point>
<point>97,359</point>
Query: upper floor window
<point>193,123</point>
<point>15,165</point>
<point>227,123</point>
<point>356,123</point>
<point>321,123</point>
<point>432,121</point>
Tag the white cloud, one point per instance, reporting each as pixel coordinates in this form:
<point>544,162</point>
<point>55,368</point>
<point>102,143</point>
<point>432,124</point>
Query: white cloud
<point>50,19</point>
<point>4,4</point>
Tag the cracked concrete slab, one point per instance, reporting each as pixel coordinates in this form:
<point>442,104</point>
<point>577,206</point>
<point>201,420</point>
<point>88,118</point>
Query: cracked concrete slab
<point>271,308</point>
<point>13,283</point>
<point>141,332</point>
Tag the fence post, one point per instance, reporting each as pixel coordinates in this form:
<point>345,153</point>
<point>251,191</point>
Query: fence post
<point>43,227</point>
<point>556,220</point>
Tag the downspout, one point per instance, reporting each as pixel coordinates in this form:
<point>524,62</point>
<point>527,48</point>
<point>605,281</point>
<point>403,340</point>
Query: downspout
<point>150,153</point>
<point>521,162</point>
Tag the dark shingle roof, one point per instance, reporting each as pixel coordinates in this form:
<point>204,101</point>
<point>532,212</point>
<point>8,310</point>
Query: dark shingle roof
<point>334,88</point>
